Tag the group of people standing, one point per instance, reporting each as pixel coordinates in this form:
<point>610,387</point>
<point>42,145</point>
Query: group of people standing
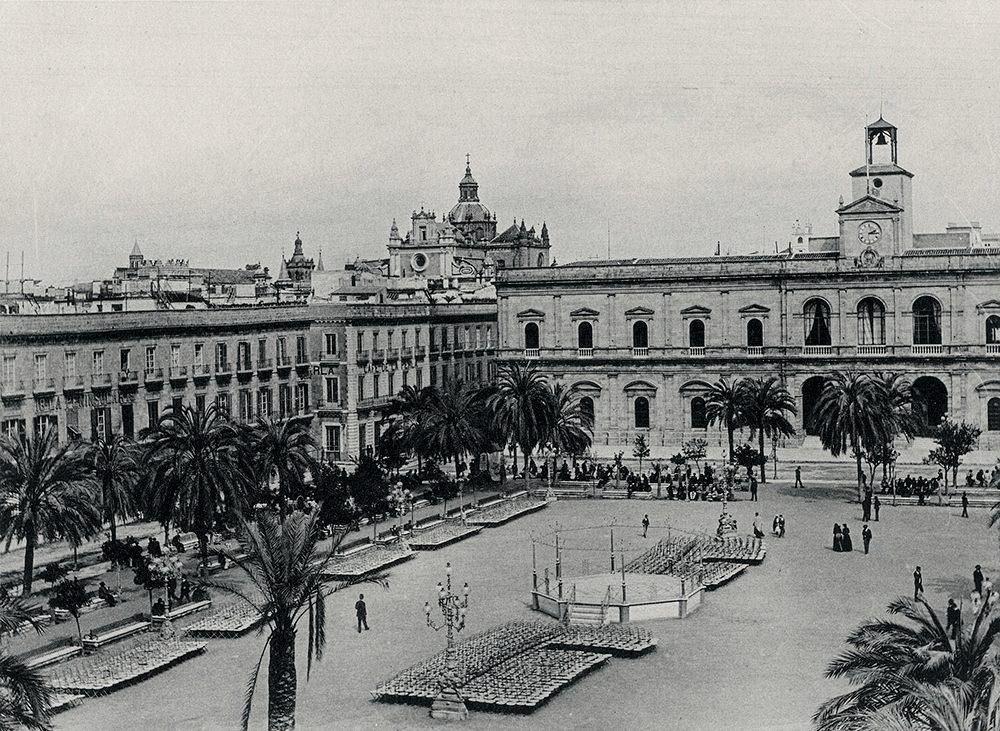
<point>842,542</point>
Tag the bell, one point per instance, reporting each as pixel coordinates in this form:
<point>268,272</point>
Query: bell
<point>881,138</point>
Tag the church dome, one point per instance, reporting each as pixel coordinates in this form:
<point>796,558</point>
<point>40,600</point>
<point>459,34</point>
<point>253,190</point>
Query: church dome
<point>468,209</point>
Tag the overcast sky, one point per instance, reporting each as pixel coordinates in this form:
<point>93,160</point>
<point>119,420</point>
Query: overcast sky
<point>214,132</point>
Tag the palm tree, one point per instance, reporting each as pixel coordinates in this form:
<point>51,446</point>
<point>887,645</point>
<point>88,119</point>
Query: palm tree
<point>116,472</point>
<point>520,400</point>
<point>766,406</point>
<point>454,425</point>
<point>408,413</point>
<point>891,659</point>
<point>899,393</point>
<point>725,403</point>
<point>571,429</point>
<point>281,451</point>
<point>854,411</point>
<point>196,471</point>
<point>48,492</point>
<point>25,696</point>
<point>287,571</point>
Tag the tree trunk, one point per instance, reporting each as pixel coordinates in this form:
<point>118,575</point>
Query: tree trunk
<point>730,429</point>
<point>281,681</point>
<point>79,632</point>
<point>763,471</point>
<point>203,545</point>
<point>29,562</point>
<point>857,457</point>
<point>114,530</point>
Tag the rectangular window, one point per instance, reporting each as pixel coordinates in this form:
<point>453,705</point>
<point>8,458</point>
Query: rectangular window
<point>489,336</point>
<point>199,403</point>
<point>175,356</point>
<point>333,390</point>
<point>444,374</point>
<point>265,403</point>
<point>301,356</point>
<point>284,401</point>
<point>444,339</point>
<point>388,339</point>
<point>302,398</point>
<point>281,352</point>
<point>100,424</point>
<point>41,366</point>
<point>125,359</point>
<point>392,384</point>
<point>378,435</point>
<point>70,365</point>
<point>98,363</point>
<point>375,380</point>
<point>420,378</point>
<point>361,343</point>
<point>402,338</point>
<point>434,375</point>
<point>331,343</point>
<point>479,371</point>
<point>199,354</point>
<point>262,353</point>
<point>331,439</point>
<point>152,413</point>
<point>9,370</point>
<point>12,428</point>
<point>128,421</point>
<point>150,358</point>
<point>433,340</point>
<point>361,386</point>
<point>406,378</point>
<point>243,356</point>
<point>362,438</point>
<point>246,406</point>
<point>222,403</point>
<point>416,337</point>
<point>374,341</point>
<point>177,404</point>
<point>221,357</point>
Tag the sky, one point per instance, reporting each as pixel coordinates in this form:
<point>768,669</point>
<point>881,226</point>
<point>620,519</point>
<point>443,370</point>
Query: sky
<point>214,132</point>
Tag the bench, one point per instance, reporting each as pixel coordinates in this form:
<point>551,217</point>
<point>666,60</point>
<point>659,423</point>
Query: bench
<point>93,603</point>
<point>349,549</point>
<point>182,611</point>
<point>214,563</point>
<point>428,522</point>
<point>102,636</point>
<point>50,656</point>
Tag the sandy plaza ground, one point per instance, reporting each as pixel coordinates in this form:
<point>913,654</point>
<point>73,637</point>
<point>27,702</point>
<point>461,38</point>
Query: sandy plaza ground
<point>752,657</point>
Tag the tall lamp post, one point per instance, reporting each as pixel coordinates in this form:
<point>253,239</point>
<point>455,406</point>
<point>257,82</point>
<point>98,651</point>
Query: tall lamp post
<point>449,704</point>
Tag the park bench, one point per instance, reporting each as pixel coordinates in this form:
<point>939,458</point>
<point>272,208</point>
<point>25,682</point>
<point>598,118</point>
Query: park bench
<point>94,602</point>
<point>49,655</point>
<point>356,546</point>
<point>428,522</point>
<point>118,631</point>
<point>182,610</point>
<point>189,541</point>
<point>517,494</point>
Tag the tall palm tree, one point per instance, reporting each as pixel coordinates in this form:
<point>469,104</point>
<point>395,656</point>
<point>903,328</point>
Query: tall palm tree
<point>281,451</point>
<point>408,413</point>
<point>49,493</point>
<point>899,392</point>
<point>116,472</point>
<point>571,429</point>
<point>287,574</point>
<point>725,403</point>
<point>25,696</point>
<point>890,659</point>
<point>454,425</point>
<point>854,411</point>
<point>196,471</point>
<point>521,402</point>
<point>767,405</point>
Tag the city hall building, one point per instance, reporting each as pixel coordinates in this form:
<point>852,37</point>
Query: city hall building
<point>644,339</point>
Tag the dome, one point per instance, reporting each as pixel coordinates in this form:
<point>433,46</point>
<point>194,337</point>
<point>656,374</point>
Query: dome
<point>469,211</point>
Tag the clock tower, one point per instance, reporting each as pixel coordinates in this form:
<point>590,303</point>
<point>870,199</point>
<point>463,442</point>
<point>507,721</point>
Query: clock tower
<point>879,221</point>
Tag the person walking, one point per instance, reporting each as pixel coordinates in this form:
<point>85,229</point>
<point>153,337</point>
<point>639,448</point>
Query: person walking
<point>965,505</point>
<point>645,525</point>
<point>798,477</point>
<point>758,531</point>
<point>866,536</point>
<point>362,609</point>
<point>954,619</point>
<point>848,543</point>
<point>753,489</point>
<point>866,507</point>
<point>876,503</point>
<point>838,538</point>
<point>977,579</point>
<point>918,584</point>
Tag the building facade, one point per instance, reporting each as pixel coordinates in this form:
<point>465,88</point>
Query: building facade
<point>643,340</point>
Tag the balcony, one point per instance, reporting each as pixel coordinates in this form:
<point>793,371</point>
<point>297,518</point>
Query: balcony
<point>100,381</point>
<point>378,354</point>
<point>406,353</point>
<point>585,352</point>
<point>374,402</point>
<point>817,350</point>
<point>992,348</point>
<point>872,350</point>
<point>244,367</point>
<point>328,357</point>
<point>128,379</point>
<point>178,375</point>
<point>41,386</point>
<point>392,354</point>
<point>264,367</point>
<point>13,390</point>
<point>926,349</point>
<point>201,372</point>
<point>73,383</point>
<point>283,361</point>
<point>755,351</point>
<point>153,377</point>
<point>640,352</point>
<point>532,352</point>
<point>364,356</point>
<point>223,370</point>
<point>696,352</point>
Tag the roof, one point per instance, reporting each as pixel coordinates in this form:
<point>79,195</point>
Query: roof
<point>225,276</point>
<point>872,170</point>
<point>869,204</point>
<point>881,124</point>
<point>135,250</point>
<point>954,251</point>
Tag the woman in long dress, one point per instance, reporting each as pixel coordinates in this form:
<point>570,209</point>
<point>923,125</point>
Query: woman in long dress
<point>838,537</point>
<point>847,545</point>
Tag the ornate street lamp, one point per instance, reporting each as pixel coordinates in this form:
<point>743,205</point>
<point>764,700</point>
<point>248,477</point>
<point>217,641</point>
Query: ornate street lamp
<point>449,703</point>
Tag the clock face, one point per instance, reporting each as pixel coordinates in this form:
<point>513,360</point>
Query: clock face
<point>869,233</point>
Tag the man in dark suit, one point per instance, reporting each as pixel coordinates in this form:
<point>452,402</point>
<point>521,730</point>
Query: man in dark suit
<point>866,536</point>
<point>918,584</point>
<point>977,579</point>
<point>965,505</point>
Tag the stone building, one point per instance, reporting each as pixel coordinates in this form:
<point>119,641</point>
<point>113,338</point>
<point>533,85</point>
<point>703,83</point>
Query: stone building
<point>643,339</point>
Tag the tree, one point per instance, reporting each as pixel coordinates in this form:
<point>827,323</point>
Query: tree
<point>408,412</point>
<point>521,402</point>
<point>889,659</point>
<point>332,491</point>
<point>454,424</point>
<point>70,595</point>
<point>196,471</point>
<point>767,405</point>
<point>693,449</point>
<point>116,472</point>
<point>854,412</point>
<point>572,429</point>
<point>287,573</point>
<point>49,493</point>
<point>53,573</point>
<point>25,696</point>
<point>954,441</point>
<point>281,456</point>
<point>641,449</point>
<point>725,404</point>
<point>370,491</point>
<point>746,455</point>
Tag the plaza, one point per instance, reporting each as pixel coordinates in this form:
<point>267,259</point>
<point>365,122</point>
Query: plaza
<point>751,657</point>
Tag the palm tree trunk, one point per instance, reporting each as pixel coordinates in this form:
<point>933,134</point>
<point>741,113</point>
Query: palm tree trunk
<point>29,561</point>
<point>857,457</point>
<point>763,472</point>
<point>281,681</point>
<point>731,429</point>
<point>79,632</point>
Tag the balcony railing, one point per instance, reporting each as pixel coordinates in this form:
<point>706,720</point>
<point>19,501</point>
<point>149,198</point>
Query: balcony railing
<point>201,371</point>
<point>585,352</point>
<point>264,364</point>
<point>364,356</point>
<point>696,352</point>
<point>406,353</point>
<point>375,401</point>
<point>327,356</point>
<point>301,359</point>
<point>640,352</point>
<point>992,348</point>
<point>531,353</point>
<point>223,369</point>
<point>378,354</point>
<point>178,373</point>
<point>419,351</point>
<point>128,378</point>
<point>100,380</point>
<point>153,376</point>
<point>872,350</point>
<point>43,385</point>
<point>392,353</point>
<point>927,349</point>
<point>755,351</point>
<point>283,361</point>
<point>817,350</point>
<point>244,366</point>
<point>73,383</point>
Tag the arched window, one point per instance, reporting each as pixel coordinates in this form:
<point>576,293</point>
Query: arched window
<point>755,333</point>
<point>587,411</point>
<point>992,330</point>
<point>640,334</point>
<point>585,335</point>
<point>871,322</point>
<point>698,418</point>
<point>641,412</point>
<point>696,334</point>
<point>541,259</point>
<point>816,317</point>
<point>993,414</point>
<point>531,336</point>
<point>926,321</point>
